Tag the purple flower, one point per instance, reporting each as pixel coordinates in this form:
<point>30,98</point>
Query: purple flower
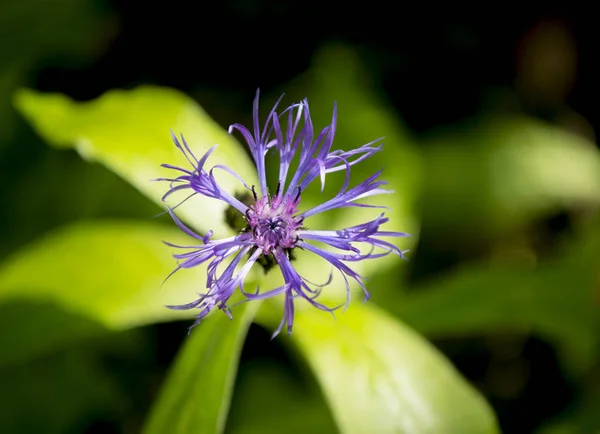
<point>274,222</point>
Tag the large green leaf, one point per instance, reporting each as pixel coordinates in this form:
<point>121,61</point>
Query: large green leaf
<point>197,393</point>
<point>128,131</point>
<point>110,272</point>
<point>379,376</point>
<point>92,277</point>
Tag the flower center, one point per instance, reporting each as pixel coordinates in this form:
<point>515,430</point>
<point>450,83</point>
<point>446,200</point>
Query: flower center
<point>273,224</point>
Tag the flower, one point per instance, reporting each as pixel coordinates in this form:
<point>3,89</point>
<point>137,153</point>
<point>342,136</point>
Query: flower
<point>274,223</point>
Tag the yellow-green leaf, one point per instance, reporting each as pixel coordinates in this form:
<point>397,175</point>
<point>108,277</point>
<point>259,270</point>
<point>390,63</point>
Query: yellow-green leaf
<point>380,376</point>
<point>89,278</point>
<point>196,395</point>
<point>110,272</point>
<point>128,131</point>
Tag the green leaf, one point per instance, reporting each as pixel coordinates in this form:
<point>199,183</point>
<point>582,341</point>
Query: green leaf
<point>556,299</point>
<point>128,131</point>
<point>197,393</point>
<point>499,174</point>
<point>380,376</point>
<point>94,276</point>
<point>110,272</point>
<point>549,303</point>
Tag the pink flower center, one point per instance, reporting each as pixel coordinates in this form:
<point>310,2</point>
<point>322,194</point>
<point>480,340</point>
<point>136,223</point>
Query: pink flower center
<point>273,223</point>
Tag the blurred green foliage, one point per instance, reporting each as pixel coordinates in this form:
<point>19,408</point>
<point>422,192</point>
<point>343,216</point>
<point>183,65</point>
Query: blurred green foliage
<point>556,299</point>
<point>51,41</point>
<point>63,389</point>
<point>500,174</point>
<point>58,392</point>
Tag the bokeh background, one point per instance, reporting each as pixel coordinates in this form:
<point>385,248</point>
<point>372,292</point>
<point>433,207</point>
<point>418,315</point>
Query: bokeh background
<point>495,110</point>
